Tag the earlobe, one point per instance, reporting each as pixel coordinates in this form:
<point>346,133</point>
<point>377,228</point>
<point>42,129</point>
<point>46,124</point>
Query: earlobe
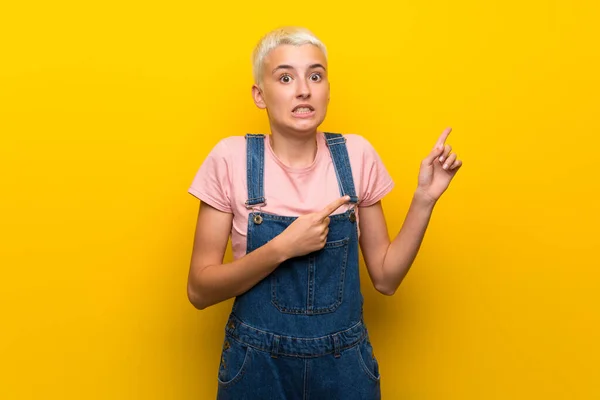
<point>257,95</point>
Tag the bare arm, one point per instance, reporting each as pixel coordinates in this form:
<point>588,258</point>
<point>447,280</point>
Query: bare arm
<point>389,262</point>
<point>210,281</point>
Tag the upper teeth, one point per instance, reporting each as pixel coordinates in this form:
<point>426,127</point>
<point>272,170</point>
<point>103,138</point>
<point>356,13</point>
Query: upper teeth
<point>302,109</point>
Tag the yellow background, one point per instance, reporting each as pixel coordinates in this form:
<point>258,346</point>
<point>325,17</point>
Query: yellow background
<point>107,110</point>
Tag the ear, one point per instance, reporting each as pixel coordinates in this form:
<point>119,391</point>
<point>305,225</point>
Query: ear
<point>257,96</point>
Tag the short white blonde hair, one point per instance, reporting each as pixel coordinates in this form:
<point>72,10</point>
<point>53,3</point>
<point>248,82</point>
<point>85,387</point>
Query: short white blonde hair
<point>292,35</point>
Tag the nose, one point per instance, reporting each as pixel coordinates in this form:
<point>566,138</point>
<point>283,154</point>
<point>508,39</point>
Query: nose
<point>302,89</point>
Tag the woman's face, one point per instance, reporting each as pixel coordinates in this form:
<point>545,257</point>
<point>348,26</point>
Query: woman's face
<point>295,88</point>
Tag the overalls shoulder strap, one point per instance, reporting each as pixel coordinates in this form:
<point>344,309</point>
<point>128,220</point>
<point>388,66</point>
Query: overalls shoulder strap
<point>341,161</point>
<point>255,156</point>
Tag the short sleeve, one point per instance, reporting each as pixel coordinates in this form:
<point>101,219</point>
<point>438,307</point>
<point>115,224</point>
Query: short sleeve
<point>376,182</point>
<point>212,183</point>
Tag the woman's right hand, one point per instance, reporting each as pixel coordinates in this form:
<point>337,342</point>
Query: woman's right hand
<point>308,232</point>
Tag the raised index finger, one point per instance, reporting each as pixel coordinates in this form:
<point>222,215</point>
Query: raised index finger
<point>442,139</point>
<point>333,206</point>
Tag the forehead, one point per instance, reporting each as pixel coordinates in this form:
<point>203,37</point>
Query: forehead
<point>296,56</point>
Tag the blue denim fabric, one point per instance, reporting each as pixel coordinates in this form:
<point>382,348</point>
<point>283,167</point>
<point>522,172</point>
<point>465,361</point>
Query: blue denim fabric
<point>299,333</point>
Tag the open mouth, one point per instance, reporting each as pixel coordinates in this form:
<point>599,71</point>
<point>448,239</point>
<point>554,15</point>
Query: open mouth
<point>303,110</point>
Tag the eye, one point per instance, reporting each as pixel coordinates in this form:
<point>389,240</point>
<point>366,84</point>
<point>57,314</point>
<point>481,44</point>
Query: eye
<point>285,78</point>
<point>316,77</point>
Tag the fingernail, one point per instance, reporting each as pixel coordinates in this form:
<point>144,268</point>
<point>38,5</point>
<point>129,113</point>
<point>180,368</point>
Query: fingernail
<point>445,166</point>
<point>441,158</point>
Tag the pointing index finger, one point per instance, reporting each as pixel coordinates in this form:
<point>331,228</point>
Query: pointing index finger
<point>333,206</point>
<point>442,139</point>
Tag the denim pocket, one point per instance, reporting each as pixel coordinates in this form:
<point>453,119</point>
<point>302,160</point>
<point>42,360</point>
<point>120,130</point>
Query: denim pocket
<point>235,358</point>
<point>367,359</point>
<point>311,284</point>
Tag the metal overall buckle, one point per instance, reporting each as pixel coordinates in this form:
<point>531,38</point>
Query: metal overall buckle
<point>257,210</point>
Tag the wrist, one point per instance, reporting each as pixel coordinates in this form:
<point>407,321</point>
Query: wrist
<point>420,198</point>
<point>280,249</point>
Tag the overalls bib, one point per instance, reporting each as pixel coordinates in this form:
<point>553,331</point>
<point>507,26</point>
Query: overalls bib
<point>299,333</point>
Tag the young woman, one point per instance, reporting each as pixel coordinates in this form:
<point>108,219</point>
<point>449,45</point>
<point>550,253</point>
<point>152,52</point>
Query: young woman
<point>298,203</point>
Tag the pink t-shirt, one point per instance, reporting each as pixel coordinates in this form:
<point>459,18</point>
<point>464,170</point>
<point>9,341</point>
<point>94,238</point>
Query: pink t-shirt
<point>221,182</point>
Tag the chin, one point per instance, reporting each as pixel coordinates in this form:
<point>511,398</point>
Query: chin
<point>305,128</point>
<point>306,125</point>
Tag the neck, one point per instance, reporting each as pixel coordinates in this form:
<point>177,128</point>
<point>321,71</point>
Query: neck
<point>293,149</point>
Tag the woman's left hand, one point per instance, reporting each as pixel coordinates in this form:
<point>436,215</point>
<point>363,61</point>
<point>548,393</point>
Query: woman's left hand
<point>438,169</point>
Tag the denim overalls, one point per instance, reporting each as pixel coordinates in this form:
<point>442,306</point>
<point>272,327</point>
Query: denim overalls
<point>299,333</point>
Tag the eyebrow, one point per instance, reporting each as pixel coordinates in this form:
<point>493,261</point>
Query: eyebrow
<point>285,66</point>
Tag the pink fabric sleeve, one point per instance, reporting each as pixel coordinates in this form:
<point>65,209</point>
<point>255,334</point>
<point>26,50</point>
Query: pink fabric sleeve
<point>376,182</point>
<point>212,183</point>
